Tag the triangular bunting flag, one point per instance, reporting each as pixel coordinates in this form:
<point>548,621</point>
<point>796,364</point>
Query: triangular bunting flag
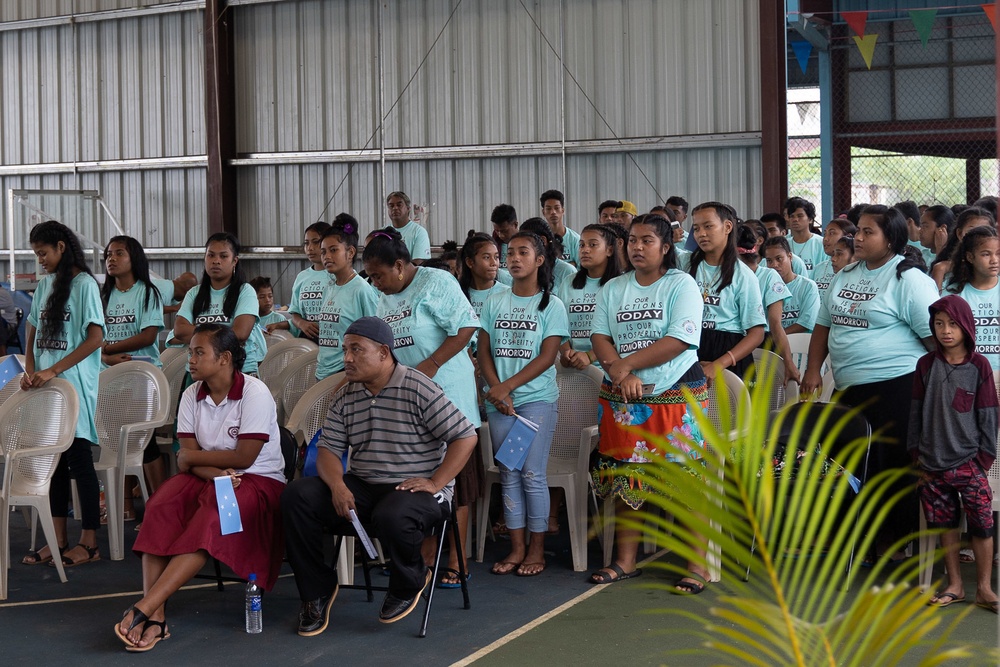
<point>856,20</point>
<point>991,14</point>
<point>802,50</point>
<point>866,45</point>
<point>923,21</point>
<point>803,109</point>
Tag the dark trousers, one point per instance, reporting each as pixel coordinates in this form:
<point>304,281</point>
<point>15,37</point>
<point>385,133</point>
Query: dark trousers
<point>78,462</point>
<point>399,519</point>
<point>889,416</point>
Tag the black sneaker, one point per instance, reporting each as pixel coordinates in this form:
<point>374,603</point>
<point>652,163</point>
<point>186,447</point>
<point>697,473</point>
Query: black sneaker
<point>394,608</point>
<point>314,615</point>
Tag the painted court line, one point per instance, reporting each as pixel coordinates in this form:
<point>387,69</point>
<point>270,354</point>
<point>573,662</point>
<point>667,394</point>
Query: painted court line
<point>511,636</point>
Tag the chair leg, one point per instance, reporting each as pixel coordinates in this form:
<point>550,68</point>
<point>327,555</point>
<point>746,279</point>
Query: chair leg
<point>434,574</point>
<point>577,527</point>
<point>4,547</point>
<point>482,521</point>
<point>31,521</point>
<point>462,569</point>
<point>366,567</point>
<point>49,529</point>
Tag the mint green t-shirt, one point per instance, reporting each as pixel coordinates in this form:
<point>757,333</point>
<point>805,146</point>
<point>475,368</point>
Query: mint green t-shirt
<point>503,255</point>
<point>430,309</point>
<point>255,345</point>
<point>571,247</point>
<point>82,309</point>
<point>798,266</point>
<point>926,253</point>
<point>562,270</point>
<point>416,239</point>
<point>271,318</point>
<point>503,276</point>
<point>683,258</point>
<point>477,297</point>
<point>307,294</point>
<point>342,306</point>
<point>580,307</point>
<point>772,289</point>
<point>516,331</point>
<point>125,317</point>
<point>876,322</point>
<point>822,275</point>
<point>811,252</point>
<point>635,317</point>
<point>166,287</point>
<point>802,306</point>
<point>735,309</point>
<point>985,305</point>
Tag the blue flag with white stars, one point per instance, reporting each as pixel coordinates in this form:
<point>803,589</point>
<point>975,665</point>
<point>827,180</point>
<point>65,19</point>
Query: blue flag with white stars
<point>229,509</point>
<point>514,450</point>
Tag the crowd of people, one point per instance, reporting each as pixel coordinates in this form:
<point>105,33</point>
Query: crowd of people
<point>434,349</point>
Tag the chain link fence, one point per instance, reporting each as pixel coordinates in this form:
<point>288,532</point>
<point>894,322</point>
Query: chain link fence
<point>919,124</point>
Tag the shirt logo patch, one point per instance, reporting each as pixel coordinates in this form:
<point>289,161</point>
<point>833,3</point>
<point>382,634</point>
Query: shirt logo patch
<point>688,327</point>
<point>233,431</point>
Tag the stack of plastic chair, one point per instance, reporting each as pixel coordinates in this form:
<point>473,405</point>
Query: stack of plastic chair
<point>132,401</point>
<point>769,367</point>
<point>36,426</point>
<point>279,356</point>
<point>277,336</point>
<point>293,382</point>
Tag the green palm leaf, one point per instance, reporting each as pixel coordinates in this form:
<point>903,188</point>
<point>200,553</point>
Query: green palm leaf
<point>774,510</point>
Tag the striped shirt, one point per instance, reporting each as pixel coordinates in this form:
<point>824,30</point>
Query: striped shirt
<point>401,432</point>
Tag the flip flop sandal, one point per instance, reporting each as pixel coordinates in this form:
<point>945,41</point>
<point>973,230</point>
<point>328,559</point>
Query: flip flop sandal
<point>602,577</point>
<point>451,573</point>
<point>690,587</point>
<point>988,606</point>
<point>154,641</point>
<point>944,599</point>
<point>138,616</point>
<point>36,558</point>
<point>93,553</point>
<point>507,570</point>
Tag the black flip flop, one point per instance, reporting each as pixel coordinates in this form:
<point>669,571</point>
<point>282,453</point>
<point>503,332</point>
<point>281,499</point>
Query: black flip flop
<point>602,577</point>
<point>690,587</point>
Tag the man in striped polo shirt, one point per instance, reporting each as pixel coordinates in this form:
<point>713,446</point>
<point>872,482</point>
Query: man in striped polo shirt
<point>407,444</point>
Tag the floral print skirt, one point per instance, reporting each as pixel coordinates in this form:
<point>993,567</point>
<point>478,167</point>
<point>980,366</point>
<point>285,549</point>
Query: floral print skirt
<point>625,442</point>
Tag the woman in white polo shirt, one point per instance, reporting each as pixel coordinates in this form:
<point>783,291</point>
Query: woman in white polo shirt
<point>227,426</point>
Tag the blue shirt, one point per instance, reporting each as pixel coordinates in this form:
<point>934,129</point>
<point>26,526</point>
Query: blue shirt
<point>516,331</point>
<point>580,307</point>
<point>307,294</point>
<point>571,247</point>
<point>255,345</point>
<point>735,309</point>
<point>430,309</point>
<point>562,270</point>
<point>416,239</point>
<point>802,306</point>
<point>822,275</point>
<point>772,289</point>
<point>876,322</point>
<point>342,306</point>
<point>985,305</point>
<point>636,316</point>
<point>125,317</point>
<point>82,309</point>
<point>166,287</point>
<point>811,252</point>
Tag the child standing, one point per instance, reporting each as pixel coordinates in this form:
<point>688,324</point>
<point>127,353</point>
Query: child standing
<point>952,435</point>
<point>269,320</point>
<point>64,335</point>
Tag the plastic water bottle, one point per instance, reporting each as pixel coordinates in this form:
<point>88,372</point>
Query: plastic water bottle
<point>255,620</point>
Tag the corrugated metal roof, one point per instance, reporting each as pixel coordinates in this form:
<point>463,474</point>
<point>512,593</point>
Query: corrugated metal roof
<point>18,10</point>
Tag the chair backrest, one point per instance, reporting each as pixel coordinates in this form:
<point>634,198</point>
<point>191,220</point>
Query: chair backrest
<point>578,392</point>
<point>42,417</point>
<point>486,448</point>
<point>174,371</point>
<point>14,385</point>
<point>279,356</point>
<point>768,365</point>
<point>171,353</point>
<point>277,336</point>
<point>731,399</point>
<point>994,476</point>
<point>798,346</point>
<point>816,412</point>
<point>310,411</point>
<point>133,399</point>
<point>294,381</point>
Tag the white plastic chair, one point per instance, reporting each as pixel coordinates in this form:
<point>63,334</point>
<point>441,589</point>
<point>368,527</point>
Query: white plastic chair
<point>798,345</point>
<point>768,365</point>
<point>277,336</point>
<point>132,401</point>
<point>569,459</point>
<point>14,385</point>
<point>297,378</point>
<point>279,356</point>
<point>171,353</point>
<point>491,478</point>
<point>35,428</point>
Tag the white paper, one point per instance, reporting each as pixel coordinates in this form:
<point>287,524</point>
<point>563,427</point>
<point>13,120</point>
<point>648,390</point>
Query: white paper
<point>363,535</point>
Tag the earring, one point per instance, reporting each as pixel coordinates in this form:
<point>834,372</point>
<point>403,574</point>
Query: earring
<point>400,276</point>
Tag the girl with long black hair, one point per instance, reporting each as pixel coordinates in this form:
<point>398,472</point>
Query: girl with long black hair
<point>133,306</point>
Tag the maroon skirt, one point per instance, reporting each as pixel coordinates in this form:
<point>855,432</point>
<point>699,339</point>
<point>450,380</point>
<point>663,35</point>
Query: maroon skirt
<point>182,517</point>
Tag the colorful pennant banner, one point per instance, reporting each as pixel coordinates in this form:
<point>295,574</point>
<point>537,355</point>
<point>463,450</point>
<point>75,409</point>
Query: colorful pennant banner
<point>857,21</point>
<point>803,50</point>
<point>923,21</point>
<point>866,45</point>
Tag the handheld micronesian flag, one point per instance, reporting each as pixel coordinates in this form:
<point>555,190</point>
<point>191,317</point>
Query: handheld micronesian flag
<point>229,509</point>
<point>514,450</point>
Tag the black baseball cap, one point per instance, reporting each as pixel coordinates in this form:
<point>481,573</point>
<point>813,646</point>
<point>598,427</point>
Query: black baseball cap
<point>373,328</point>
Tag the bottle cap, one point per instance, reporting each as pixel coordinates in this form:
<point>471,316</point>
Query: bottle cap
<point>252,577</point>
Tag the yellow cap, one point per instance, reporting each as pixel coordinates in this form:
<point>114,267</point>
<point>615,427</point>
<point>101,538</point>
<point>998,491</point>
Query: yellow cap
<point>628,207</point>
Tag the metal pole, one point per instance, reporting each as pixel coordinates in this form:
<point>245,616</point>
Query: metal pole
<point>10,235</point>
<point>825,136</point>
<point>381,111</point>
<point>562,92</point>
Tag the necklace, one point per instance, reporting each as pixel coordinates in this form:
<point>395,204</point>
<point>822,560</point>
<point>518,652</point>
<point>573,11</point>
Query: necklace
<point>124,291</point>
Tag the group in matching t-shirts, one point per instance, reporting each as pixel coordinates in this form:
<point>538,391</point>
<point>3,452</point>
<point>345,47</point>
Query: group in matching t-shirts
<point>622,295</point>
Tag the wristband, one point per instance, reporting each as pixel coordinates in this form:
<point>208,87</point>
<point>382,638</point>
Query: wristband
<point>434,361</point>
<point>730,353</point>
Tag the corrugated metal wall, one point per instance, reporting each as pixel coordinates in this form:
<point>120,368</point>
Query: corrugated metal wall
<point>636,68</point>
<point>307,80</point>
